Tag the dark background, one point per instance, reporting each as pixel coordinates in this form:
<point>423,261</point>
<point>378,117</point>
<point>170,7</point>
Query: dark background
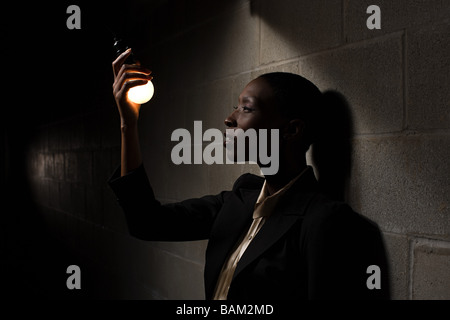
<point>51,74</point>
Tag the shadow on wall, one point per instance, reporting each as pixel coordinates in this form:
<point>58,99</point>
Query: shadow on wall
<point>332,158</point>
<point>332,152</point>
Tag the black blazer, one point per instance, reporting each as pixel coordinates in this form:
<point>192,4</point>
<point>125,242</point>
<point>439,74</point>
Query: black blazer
<point>309,248</point>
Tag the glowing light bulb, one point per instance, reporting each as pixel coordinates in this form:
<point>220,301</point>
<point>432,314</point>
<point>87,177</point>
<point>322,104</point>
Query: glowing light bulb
<point>141,94</point>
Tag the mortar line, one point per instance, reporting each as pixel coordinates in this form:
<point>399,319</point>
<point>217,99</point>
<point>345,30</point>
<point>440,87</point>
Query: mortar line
<point>309,55</point>
<point>178,256</point>
<point>402,133</point>
<point>405,80</point>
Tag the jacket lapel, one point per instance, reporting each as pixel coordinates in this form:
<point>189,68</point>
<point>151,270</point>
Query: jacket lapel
<point>231,227</point>
<point>291,208</point>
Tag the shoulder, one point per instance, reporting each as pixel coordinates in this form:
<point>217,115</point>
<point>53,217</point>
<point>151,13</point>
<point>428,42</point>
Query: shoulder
<point>248,181</point>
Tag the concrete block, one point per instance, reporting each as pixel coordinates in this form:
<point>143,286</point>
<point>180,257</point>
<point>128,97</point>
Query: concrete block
<point>53,138</point>
<point>59,226</point>
<point>75,131</point>
<point>101,168</point>
<point>401,183</point>
<point>431,274</point>
<point>187,55</point>
<point>224,44</point>
<point>395,16</point>
<point>93,125</point>
<point>49,166</point>
<point>41,191</point>
<point>64,195</point>
<point>187,181</point>
<point>38,164</point>
<point>78,166</point>
<point>210,103</point>
<point>38,141</point>
<point>62,136</point>
<point>238,84</point>
<point>295,28</point>
<point>71,166</point>
<point>201,10</point>
<point>31,162</point>
<point>122,254</point>
<point>113,216</point>
<point>58,162</point>
<point>102,246</point>
<point>222,177</point>
<point>116,273</point>
<point>369,75</point>
<point>72,235</point>
<point>53,200</point>
<point>291,67</point>
<point>189,250</point>
<point>185,280</point>
<point>157,122</point>
<point>155,136</point>
<point>171,277</point>
<point>85,166</point>
<point>78,200</point>
<point>124,289</point>
<point>94,203</point>
<point>158,167</point>
<point>48,219</point>
<point>428,73</point>
<point>397,250</point>
<point>86,236</point>
<point>229,44</point>
<point>110,123</point>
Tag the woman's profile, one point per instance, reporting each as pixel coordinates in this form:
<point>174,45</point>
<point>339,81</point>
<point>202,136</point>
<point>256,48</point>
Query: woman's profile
<point>271,237</point>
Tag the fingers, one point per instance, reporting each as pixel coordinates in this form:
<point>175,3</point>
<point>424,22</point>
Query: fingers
<point>127,76</point>
<point>117,64</point>
<point>125,68</point>
<point>130,84</point>
<point>130,74</point>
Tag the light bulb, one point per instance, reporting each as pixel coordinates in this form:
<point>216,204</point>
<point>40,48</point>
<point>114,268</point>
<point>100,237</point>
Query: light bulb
<point>141,94</point>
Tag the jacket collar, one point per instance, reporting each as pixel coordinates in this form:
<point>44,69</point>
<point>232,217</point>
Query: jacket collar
<point>234,223</point>
<point>289,209</point>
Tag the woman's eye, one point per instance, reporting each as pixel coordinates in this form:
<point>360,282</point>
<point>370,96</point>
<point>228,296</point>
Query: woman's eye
<point>244,108</point>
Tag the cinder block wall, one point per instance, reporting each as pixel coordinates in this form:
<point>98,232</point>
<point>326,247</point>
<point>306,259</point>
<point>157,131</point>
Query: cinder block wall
<point>395,80</point>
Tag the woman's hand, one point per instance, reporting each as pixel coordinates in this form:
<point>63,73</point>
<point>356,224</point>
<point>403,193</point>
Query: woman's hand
<point>127,76</point>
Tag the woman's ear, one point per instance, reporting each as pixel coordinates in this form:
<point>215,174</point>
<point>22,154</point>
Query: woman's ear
<point>294,129</point>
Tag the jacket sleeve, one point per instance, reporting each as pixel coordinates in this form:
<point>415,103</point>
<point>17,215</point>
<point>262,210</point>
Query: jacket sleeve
<point>148,219</point>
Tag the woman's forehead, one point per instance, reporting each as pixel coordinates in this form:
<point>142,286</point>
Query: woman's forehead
<point>257,90</point>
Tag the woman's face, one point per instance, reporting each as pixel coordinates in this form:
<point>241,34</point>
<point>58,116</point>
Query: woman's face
<point>256,108</point>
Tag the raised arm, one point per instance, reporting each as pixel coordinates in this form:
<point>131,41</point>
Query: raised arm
<point>146,218</point>
<point>127,76</point>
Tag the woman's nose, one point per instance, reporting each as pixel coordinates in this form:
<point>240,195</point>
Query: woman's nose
<point>230,121</point>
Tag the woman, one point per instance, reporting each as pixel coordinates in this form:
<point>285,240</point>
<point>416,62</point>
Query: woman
<point>275,237</point>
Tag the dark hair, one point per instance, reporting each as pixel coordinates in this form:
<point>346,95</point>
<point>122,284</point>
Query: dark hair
<point>298,98</point>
